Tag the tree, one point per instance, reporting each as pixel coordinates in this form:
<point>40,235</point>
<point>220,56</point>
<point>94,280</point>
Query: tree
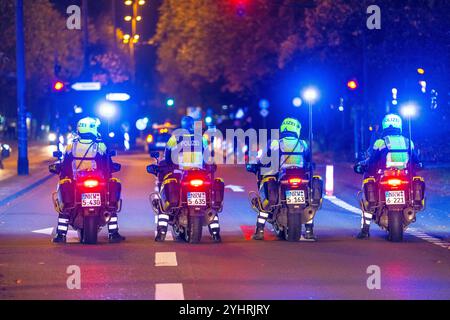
<point>204,45</point>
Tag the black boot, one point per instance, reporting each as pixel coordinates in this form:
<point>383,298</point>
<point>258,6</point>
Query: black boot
<point>216,237</point>
<point>259,233</point>
<point>309,232</point>
<point>115,237</point>
<point>364,233</point>
<point>161,234</point>
<point>59,238</point>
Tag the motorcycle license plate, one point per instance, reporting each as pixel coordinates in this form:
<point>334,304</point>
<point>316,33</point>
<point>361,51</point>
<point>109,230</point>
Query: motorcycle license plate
<point>91,200</point>
<point>295,197</point>
<point>395,197</point>
<point>196,198</point>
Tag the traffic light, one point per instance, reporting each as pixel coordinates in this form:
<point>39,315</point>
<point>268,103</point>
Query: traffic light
<point>58,86</point>
<point>352,84</point>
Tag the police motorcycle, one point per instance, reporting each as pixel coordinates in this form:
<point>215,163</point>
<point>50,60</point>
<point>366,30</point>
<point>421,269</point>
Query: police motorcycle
<point>90,198</point>
<point>191,198</point>
<point>290,198</point>
<point>394,196</point>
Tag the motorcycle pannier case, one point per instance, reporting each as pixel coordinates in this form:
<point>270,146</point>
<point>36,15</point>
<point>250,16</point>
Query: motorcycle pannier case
<point>317,191</point>
<point>170,193</point>
<point>269,192</point>
<point>218,192</point>
<point>370,193</point>
<point>418,187</point>
<point>66,193</point>
<point>115,188</point>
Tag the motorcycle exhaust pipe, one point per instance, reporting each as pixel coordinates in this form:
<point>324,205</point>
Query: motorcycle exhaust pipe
<point>308,214</point>
<point>409,215</point>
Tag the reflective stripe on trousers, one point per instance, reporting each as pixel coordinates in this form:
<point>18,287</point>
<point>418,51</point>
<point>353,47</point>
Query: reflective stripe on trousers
<point>63,224</point>
<point>113,224</point>
<point>163,222</point>
<point>214,226</point>
<point>366,218</point>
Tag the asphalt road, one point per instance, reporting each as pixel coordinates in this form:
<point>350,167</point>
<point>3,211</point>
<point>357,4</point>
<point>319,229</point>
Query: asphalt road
<point>335,267</point>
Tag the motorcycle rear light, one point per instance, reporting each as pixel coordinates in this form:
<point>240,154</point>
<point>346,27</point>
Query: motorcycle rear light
<point>295,181</point>
<point>90,183</point>
<point>196,182</point>
<point>394,182</point>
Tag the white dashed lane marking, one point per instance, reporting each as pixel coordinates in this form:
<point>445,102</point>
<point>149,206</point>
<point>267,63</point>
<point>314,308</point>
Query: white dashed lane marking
<point>166,259</point>
<point>417,233</point>
<point>169,291</point>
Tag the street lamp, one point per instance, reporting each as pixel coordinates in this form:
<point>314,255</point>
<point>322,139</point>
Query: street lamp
<point>107,110</point>
<point>409,111</point>
<point>310,95</point>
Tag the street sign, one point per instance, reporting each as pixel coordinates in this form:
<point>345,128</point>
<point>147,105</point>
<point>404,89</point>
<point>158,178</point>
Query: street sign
<point>118,97</point>
<point>87,86</point>
<point>264,113</point>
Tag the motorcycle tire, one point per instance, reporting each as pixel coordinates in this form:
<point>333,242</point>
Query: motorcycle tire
<point>90,230</point>
<point>194,232</point>
<point>395,226</point>
<point>294,227</point>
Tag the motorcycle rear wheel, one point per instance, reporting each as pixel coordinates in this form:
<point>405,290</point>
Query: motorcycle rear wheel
<point>90,230</point>
<point>294,227</point>
<point>395,226</point>
<point>195,227</point>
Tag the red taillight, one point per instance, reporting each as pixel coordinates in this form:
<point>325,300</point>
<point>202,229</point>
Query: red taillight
<point>196,182</point>
<point>295,181</point>
<point>394,182</point>
<point>90,183</point>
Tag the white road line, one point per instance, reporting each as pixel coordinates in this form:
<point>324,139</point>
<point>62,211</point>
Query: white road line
<point>235,188</point>
<point>169,291</point>
<point>417,233</point>
<point>166,259</point>
<point>343,204</point>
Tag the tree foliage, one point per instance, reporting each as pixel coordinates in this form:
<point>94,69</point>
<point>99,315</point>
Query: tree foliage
<point>205,44</point>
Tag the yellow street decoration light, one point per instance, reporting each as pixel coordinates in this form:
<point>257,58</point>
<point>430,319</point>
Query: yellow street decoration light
<point>138,18</point>
<point>128,2</point>
<point>127,18</point>
<point>141,2</point>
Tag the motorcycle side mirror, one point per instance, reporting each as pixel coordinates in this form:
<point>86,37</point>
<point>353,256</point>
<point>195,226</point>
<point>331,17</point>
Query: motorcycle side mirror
<point>358,168</point>
<point>112,153</point>
<point>6,151</point>
<point>154,154</point>
<point>116,167</point>
<point>253,168</point>
<point>55,168</point>
<point>57,154</point>
<point>152,169</point>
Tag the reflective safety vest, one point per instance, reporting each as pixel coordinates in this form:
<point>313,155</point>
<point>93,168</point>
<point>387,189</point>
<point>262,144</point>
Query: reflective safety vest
<point>291,152</point>
<point>396,150</point>
<point>84,153</point>
<point>188,151</point>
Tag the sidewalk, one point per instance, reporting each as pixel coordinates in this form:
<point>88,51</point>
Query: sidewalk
<point>40,156</point>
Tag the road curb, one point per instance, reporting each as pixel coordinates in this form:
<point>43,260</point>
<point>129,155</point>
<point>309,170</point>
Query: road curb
<point>19,193</point>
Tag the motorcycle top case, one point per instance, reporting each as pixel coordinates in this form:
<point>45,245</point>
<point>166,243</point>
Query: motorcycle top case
<point>66,193</point>
<point>170,193</point>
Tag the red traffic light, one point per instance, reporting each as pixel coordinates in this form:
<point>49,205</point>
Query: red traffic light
<point>352,84</point>
<point>58,86</point>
